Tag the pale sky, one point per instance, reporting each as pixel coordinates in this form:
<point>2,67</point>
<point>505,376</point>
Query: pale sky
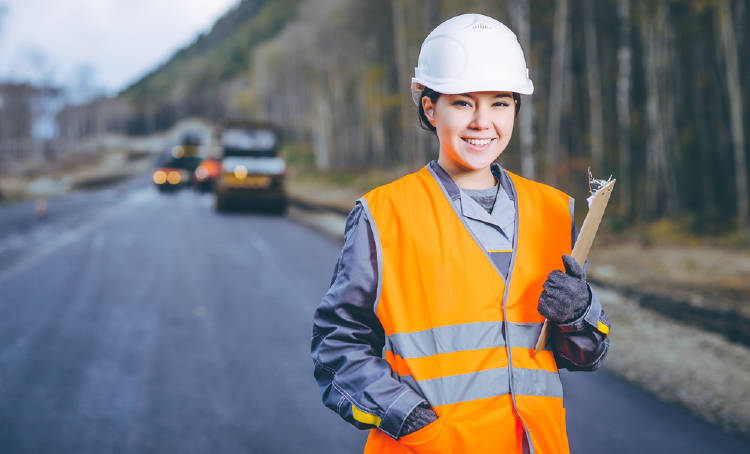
<point>119,39</point>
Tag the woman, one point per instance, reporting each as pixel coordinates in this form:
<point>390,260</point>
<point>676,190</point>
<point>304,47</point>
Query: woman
<point>426,335</point>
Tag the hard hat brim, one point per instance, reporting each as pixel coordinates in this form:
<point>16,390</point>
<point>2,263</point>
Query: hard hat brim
<point>453,88</point>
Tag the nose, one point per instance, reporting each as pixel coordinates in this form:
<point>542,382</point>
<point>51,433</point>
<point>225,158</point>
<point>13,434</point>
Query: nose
<point>481,119</point>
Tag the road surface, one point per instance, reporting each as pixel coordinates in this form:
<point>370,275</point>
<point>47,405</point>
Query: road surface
<point>138,322</point>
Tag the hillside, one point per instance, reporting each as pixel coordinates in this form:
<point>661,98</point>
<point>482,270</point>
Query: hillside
<point>202,78</point>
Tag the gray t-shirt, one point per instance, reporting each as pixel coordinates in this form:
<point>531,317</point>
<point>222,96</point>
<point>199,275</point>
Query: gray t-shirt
<point>484,197</point>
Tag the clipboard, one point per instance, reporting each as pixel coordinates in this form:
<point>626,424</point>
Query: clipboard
<point>597,204</point>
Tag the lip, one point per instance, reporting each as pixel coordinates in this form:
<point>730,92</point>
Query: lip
<point>475,147</point>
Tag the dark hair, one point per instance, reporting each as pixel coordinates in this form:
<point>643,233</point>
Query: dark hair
<point>424,122</point>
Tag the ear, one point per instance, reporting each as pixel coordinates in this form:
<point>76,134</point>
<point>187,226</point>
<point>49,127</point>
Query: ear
<point>429,109</point>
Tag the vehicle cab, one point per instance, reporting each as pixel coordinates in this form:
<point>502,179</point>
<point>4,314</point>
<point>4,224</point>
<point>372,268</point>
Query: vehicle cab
<point>252,173</point>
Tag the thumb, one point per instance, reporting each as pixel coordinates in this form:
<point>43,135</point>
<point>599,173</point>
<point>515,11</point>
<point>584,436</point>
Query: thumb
<point>572,268</point>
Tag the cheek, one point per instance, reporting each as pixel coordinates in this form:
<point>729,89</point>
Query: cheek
<point>448,129</point>
<point>504,125</point>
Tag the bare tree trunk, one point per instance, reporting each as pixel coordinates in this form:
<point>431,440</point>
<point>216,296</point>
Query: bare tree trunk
<point>726,38</point>
<point>739,15</point>
<point>557,71</point>
<point>596,113</point>
<point>624,57</point>
<point>669,85</point>
<point>706,146</point>
<point>321,127</point>
<point>375,92</point>
<point>408,150</point>
<point>660,189</point>
<point>655,140</point>
<point>522,24</point>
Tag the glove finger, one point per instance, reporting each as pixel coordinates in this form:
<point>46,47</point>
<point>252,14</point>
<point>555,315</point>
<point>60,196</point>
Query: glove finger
<point>550,285</point>
<point>556,278</point>
<point>572,268</point>
<point>541,307</point>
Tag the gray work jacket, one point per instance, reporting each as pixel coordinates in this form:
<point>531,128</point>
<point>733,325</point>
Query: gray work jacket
<point>348,339</point>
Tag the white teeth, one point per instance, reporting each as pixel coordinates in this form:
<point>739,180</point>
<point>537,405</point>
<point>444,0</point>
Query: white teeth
<point>479,142</point>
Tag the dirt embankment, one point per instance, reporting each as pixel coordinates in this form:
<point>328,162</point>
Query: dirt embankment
<point>705,287</point>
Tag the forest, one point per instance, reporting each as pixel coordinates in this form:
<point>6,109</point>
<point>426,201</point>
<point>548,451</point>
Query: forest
<point>650,91</point>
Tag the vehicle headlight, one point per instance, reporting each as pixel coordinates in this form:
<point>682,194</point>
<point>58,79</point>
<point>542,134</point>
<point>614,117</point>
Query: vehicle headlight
<point>174,177</point>
<point>240,171</point>
<point>160,177</point>
<point>201,173</point>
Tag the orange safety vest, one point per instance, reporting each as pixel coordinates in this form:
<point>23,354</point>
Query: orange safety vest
<point>455,332</point>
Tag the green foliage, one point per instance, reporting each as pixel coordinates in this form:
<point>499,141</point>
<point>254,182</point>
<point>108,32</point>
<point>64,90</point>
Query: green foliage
<point>298,155</point>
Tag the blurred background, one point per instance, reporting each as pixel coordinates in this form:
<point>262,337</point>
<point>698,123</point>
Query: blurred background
<point>175,176</point>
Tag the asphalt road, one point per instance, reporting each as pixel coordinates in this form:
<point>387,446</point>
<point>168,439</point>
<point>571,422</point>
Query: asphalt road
<point>136,322</point>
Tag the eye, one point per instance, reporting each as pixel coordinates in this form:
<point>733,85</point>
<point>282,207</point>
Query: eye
<point>461,103</point>
<point>501,104</point>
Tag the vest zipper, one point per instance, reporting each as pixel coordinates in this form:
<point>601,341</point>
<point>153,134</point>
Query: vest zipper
<point>508,342</point>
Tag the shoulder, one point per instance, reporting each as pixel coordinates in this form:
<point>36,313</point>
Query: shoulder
<point>535,186</point>
<point>399,189</point>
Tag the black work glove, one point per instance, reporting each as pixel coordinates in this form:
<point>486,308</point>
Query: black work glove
<point>565,296</point>
<point>417,419</point>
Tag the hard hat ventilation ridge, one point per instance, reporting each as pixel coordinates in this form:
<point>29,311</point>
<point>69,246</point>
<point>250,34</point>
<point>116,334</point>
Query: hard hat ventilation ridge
<point>484,26</point>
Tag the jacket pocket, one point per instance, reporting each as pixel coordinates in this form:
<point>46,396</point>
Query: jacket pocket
<point>432,439</point>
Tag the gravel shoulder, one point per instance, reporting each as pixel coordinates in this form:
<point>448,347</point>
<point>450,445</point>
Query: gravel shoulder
<point>699,370</point>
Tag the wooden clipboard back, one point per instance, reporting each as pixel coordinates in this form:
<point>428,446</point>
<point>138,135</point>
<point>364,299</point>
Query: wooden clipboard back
<point>584,242</point>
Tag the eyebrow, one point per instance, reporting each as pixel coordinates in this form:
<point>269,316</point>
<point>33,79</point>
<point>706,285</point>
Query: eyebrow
<point>500,95</point>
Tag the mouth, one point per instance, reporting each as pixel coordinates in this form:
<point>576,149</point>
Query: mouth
<point>478,143</point>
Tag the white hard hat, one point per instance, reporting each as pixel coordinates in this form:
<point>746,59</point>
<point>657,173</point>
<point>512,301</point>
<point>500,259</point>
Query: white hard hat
<point>471,52</point>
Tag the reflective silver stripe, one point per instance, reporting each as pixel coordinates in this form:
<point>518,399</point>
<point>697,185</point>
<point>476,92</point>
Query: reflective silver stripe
<point>456,338</point>
<point>447,339</point>
<point>378,250</point>
<point>524,334</point>
<point>536,382</point>
<point>571,207</point>
<point>453,389</point>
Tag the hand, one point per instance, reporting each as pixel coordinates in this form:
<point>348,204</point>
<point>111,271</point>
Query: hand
<point>420,417</point>
<point>566,296</point>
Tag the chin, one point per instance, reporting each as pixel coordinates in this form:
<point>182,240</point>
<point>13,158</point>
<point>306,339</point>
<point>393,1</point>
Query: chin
<point>479,162</point>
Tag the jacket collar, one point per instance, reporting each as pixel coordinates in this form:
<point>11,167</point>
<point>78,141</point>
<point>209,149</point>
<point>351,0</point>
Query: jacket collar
<point>454,192</point>
<point>503,212</point>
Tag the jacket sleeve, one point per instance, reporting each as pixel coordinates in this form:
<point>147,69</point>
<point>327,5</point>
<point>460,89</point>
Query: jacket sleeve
<point>582,344</point>
<point>348,339</point>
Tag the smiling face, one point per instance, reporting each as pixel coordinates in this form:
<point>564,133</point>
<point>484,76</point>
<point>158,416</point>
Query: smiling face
<point>473,130</point>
